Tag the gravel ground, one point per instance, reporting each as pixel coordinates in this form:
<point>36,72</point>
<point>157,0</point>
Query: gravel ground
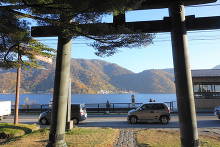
<point>126,138</point>
<point>210,132</point>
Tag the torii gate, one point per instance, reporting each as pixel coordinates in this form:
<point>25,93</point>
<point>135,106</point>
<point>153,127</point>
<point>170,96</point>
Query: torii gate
<point>177,24</point>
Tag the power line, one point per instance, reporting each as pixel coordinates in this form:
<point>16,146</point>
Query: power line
<point>189,40</point>
<point>167,33</point>
<point>85,41</point>
<point>194,32</point>
<point>157,37</point>
<point>204,37</point>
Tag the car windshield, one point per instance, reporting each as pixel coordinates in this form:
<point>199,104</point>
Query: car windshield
<point>138,107</point>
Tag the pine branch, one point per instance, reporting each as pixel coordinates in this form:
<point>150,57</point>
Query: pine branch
<point>51,21</point>
<point>9,50</point>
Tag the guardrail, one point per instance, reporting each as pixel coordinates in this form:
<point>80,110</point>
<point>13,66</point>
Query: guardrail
<point>91,108</point>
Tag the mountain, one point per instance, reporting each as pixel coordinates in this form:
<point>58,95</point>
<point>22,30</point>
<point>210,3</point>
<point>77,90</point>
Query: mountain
<point>148,81</point>
<point>216,67</point>
<point>91,76</point>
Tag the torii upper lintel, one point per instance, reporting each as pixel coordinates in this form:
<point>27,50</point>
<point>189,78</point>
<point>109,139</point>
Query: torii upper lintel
<point>156,4</point>
<point>124,5</point>
<point>156,26</point>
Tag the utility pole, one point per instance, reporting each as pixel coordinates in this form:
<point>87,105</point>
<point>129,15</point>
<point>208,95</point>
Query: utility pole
<point>183,80</point>
<point>18,83</point>
<point>60,96</point>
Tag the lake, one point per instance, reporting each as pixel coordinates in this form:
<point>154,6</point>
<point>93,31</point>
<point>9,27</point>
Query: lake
<point>90,98</point>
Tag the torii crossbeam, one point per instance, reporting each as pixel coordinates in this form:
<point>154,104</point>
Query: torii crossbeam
<point>157,26</point>
<point>177,24</point>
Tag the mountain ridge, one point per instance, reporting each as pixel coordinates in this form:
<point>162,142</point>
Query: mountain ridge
<point>92,76</point>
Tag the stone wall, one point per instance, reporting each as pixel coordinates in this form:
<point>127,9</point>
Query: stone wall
<point>206,104</point>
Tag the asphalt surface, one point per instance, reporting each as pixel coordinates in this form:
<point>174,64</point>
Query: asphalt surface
<point>207,125</point>
<point>120,121</point>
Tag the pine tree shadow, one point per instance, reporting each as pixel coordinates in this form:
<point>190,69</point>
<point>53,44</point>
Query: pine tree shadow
<point>12,132</point>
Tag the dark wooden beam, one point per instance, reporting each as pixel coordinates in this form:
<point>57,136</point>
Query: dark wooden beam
<point>111,5</point>
<point>157,4</point>
<point>119,19</point>
<point>158,26</point>
<point>203,23</point>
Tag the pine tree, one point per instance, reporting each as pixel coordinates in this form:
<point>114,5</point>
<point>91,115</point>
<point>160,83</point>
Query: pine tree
<point>68,14</point>
<point>18,48</point>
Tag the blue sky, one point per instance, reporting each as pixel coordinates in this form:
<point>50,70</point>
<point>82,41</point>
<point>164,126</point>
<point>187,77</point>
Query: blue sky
<point>204,46</point>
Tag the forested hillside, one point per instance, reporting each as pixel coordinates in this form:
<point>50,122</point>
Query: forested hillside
<point>91,76</point>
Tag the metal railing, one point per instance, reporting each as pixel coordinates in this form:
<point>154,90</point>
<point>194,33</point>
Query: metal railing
<point>92,108</point>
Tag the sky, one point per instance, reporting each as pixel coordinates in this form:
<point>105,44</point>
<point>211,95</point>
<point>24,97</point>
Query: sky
<point>204,46</point>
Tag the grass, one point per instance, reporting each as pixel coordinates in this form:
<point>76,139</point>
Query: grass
<point>35,139</point>
<point>11,130</point>
<point>78,137</point>
<point>169,138</point>
<point>92,137</point>
<point>100,137</point>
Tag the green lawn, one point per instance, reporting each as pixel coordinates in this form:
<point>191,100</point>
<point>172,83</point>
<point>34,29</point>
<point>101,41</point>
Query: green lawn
<point>77,137</point>
<point>12,130</point>
<point>170,138</point>
<point>30,136</point>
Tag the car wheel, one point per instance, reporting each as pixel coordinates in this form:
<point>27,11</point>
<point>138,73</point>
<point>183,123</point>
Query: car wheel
<point>133,119</point>
<point>164,119</point>
<point>44,121</point>
<point>75,121</point>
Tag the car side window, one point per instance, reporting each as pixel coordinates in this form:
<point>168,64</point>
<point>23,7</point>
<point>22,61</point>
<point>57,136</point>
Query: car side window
<point>146,107</point>
<point>157,107</point>
<point>152,107</point>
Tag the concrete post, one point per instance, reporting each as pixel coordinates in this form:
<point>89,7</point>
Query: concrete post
<point>69,102</point>
<point>69,122</point>
<point>183,78</point>
<point>61,92</point>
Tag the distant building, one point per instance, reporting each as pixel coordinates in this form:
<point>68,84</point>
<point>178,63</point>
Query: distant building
<point>104,92</point>
<point>206,87</point>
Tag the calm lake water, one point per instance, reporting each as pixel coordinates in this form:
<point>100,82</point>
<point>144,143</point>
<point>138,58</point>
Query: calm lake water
<point>90,98</point>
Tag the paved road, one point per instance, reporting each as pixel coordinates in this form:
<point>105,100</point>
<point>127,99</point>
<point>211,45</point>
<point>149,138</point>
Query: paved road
<point>204,121</point>
<point>207,124</point>
<point>120,121</point>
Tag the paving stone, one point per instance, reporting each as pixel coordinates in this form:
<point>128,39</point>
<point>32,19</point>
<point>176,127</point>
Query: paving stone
<point>126,138</point>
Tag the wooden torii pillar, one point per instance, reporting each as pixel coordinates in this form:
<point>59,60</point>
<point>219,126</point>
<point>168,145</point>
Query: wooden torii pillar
<point>177,24</point>
<point>183,77</point>
<point>61,92</point>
